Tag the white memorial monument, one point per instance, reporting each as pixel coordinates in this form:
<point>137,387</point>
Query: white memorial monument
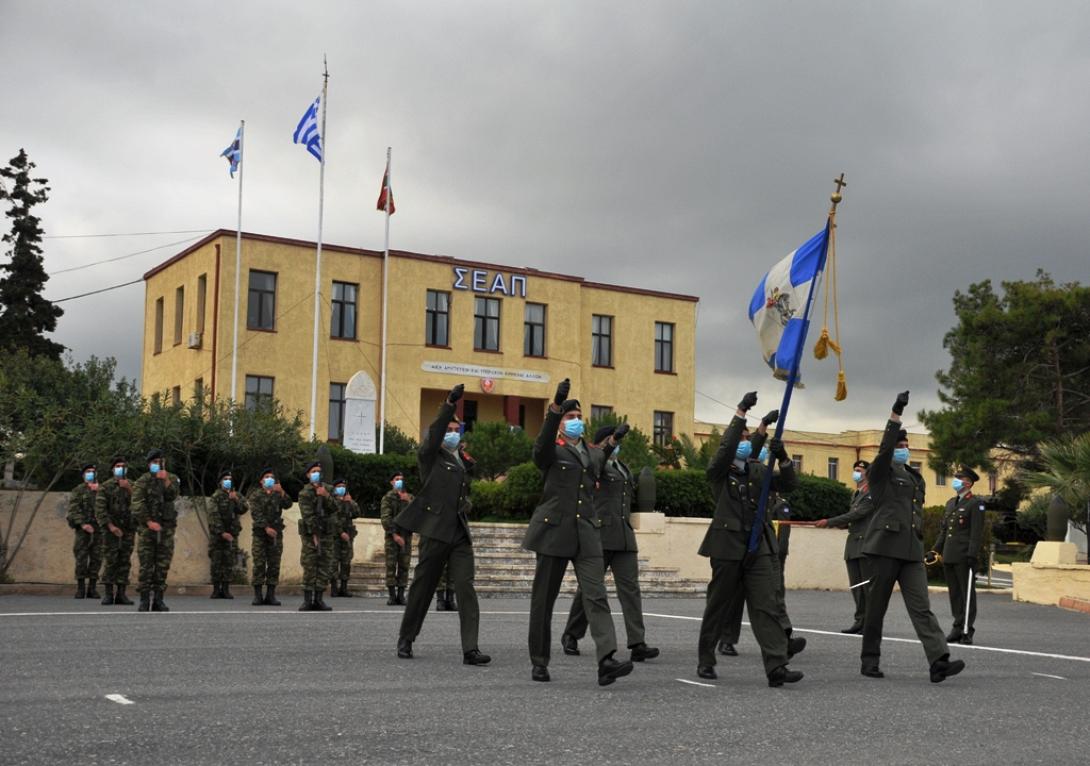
<point>359,414</point>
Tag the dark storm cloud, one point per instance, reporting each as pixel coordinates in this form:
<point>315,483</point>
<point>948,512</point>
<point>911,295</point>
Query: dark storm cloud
<point>683,146</point>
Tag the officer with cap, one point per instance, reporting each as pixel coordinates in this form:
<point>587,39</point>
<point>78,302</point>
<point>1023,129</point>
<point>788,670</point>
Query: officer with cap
<point>317,521</point>
<point>153,497</point>
<point>893,544</point>
<point>856,520</point>
<point>87,544</point>
<point>959,543</point>
<point>564,527</point>
<point>267,502</point>
<point>613,504</point>
<point>224,527</point>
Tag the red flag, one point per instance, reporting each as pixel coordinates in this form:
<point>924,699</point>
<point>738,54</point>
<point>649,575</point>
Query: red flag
<point>386,190</point>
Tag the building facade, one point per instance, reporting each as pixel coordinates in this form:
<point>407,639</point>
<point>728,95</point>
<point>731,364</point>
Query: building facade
<point>509,334</point>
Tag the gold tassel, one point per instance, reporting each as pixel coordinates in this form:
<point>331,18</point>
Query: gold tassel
<point>841,387</point>
<point>821,348</point>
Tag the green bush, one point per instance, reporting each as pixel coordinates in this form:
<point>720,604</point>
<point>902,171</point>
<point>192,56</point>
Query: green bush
<point>683,493</point>
<point>486,497</point>
<point>818,498</point>
<point>368,476</point>
<point>496,447</point>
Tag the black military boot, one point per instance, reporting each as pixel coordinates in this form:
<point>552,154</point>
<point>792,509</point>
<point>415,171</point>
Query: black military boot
<point>944,667</point>
<point>609,670</point>
<point>319,604</point>
<point>333,592</point>
<point>727,649</point>
<point>121,598</point>
<point>404,649</point>
<point>259,600</point>
<point>92,590</point>
<point>967,638</point>
<point>308,601</point>
<point>642,651</point>
<point>392,600</point>
<point>953,637</point>
<point>401,595</point>
<point>452,605</point>
<point>344,589</point>
<point>144,601</point>
<point>215,590</point>
<point>225,589</point>
<point>570,644</point>
<point>782,675</point>
<point>440,602</point>
<point>157,604</point>
<point>81,589</point>
<point>108,599</point>
<point>270,596</point>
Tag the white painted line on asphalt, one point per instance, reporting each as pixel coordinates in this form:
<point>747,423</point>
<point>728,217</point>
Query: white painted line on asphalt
<point>1049,675</point>
<point>694,683</point>
<point>120,699</point>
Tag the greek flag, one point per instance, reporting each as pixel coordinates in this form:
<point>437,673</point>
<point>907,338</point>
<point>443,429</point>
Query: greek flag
<point>233,153</point>
<point>780,305</point>
<point>306,132</point>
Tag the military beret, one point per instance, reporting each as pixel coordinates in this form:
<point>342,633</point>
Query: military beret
<point>569,405</point>
<point>118,459</point>
<point>395,474</point>
<point>603,433</point>
<point>968,473</point>
<point>88,467</point>
<point>313,464</point>
<point>340,480</point>
<point>861,464</point>
<point>224,474</point>
<point>267,469</point>
<point>155,454</point>
<point>902,435</point>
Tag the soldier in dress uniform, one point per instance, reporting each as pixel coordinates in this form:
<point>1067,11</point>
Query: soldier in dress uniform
<point>893,545</point>
<point>856,520</point>
<point>959,544</point>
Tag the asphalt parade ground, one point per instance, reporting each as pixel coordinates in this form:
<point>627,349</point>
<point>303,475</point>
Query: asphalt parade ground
<point>215,682</point>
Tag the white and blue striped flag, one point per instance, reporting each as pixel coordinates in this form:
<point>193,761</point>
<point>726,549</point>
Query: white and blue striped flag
<point>307,133</point>
<point>779,304</point>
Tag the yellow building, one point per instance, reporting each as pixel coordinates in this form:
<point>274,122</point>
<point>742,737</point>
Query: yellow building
<point>509,334</point>
<point>832,456</point>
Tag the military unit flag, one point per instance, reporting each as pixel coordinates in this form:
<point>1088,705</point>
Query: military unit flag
<point>233,153</point>
<point>386,193</point>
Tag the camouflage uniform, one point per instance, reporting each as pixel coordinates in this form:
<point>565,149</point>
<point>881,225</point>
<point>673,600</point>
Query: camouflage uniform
<point>317,513</point>
<point>341,559</point>
<point>112,507</point>
<point>225,516</point>
<point>86,546</point>
<point>266,510</point>
<point>152,500</point>
<point>397,558</point>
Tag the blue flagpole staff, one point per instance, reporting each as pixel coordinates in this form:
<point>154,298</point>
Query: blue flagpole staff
<point>793,270</point>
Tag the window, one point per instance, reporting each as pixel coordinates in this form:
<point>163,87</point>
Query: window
<point>343,322</point>
<point>176,396</point>
<point>993,479</point>
<point>202,297</point>
<point>179,314</point>
<point>337,404</point>
<point>601,350</point>
<point>437,319</point>
<point>797,460</point>
<point>834,468</point>
<point>158,325</point>
<point>664,428</point>
<point>469,415</point>
<point>599,411</point>
<point>259,392</point>
<point>486,324</point>
<point>533,337</point>
<point>664,347</point>
<point>940,477</point>
<point>261,306</point>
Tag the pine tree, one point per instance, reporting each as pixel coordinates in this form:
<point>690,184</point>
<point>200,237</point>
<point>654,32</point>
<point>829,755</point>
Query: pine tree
<point>25,316</point>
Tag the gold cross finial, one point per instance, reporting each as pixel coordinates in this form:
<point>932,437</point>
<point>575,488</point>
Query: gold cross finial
<point>836,196</point>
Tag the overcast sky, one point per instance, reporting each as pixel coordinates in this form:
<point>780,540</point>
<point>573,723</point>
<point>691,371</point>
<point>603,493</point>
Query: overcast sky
<point>672,145</point>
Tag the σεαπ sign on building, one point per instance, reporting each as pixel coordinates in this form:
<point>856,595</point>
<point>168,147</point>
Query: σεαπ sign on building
<point>480,281</point>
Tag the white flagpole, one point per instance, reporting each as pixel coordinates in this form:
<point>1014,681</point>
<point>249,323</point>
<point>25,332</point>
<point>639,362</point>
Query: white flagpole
<point>238,260</point>
<point>318,264</point>
<point>388,183</point>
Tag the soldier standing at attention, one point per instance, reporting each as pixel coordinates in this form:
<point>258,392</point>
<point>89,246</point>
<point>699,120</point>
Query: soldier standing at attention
<point>856,520</point>
<point>224,527</point>
<point>893,545</point>
<point>959,543</point>
<point>87,544</point>
<point>736,486</point>
<point>563,528</point>
<point>613,504</point>
<point>345,527</point>
<point>397,556</point>
<point>439,514</point>
<point>153,509</point>
<point>267,502</point>
<point>317,513</point>
<point>115,520</point>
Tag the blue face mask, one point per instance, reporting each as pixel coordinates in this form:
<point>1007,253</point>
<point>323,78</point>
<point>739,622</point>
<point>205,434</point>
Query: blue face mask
<point>155,468</point>
<point>451,439</point>
<point>119,471</point>
<point>745,449</point>
<point>399,484</point>
<point>763,457</point>
<point>89,477</point>
<point>268,482</point>
<point>857,476</point>
<point>958,485</point>
<point>226,484</point>
<point>339,491</point>
<point>315,477</point>
<point>616,451</point>
<point>900,455</point>
<point>573,428</point>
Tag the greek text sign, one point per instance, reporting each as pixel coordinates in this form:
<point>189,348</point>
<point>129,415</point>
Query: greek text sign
<point>480,281</point>
<point>477,371</point>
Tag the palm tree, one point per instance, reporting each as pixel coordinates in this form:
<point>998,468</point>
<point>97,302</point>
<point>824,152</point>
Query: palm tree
<point>1066,474</point>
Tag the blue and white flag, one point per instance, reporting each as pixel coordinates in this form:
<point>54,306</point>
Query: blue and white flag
<point>307,133</point>
<point>233,153</point>
<point>779,304</point>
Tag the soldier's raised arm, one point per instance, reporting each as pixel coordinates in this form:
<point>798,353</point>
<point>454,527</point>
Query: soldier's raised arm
<point>544,453</point>
<point>719,466</point>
